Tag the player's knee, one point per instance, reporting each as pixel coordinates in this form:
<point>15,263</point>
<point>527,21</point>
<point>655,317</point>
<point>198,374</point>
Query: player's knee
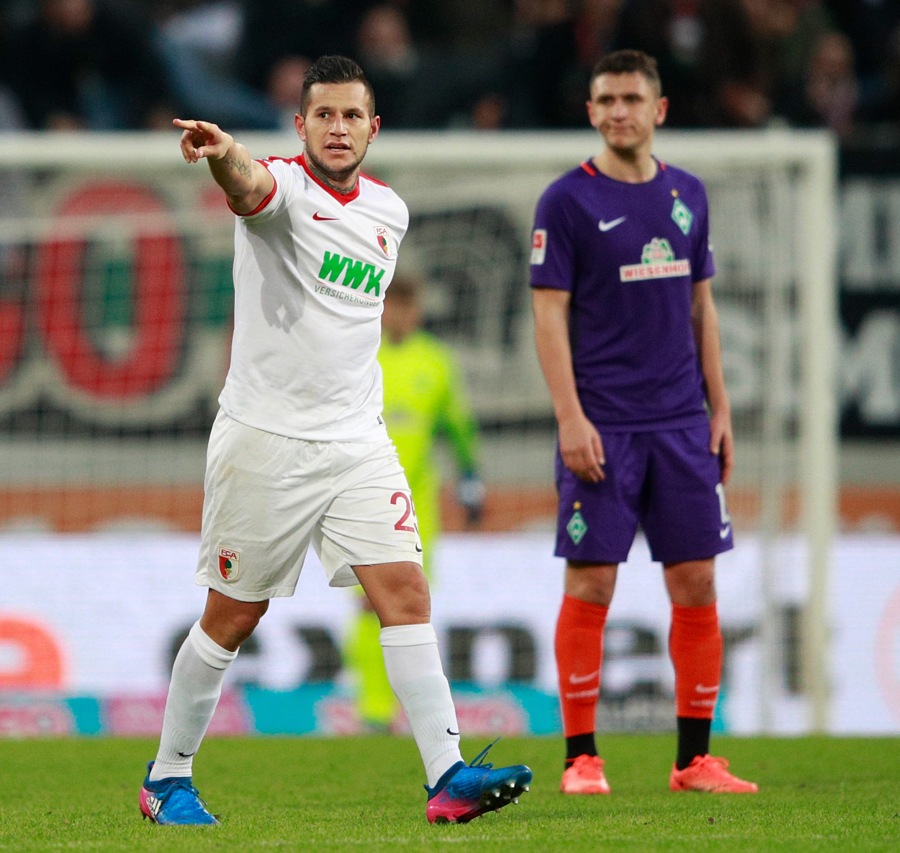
<point>408,599</point>
<point>244,623</point>
<point>691,584</point>
<point>229,622</point>
<point>591,582</point>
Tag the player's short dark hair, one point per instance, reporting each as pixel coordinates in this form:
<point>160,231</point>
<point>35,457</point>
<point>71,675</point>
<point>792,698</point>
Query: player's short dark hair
<point>628,62</point>
<point>334,69</point>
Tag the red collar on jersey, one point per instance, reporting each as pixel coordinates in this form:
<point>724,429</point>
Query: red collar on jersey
<point>589,167</point>
<point>343,198</point>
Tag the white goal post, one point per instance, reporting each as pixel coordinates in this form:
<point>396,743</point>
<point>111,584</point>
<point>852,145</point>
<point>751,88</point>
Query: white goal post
<point>471,197</point>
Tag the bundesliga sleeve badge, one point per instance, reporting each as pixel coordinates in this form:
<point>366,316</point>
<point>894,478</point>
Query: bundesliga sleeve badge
<point>538,246</point>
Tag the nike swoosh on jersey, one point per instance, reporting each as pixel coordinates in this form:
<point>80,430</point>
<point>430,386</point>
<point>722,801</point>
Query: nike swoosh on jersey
<point>319,218</point>
<point>608,226</point>
<point>723,533</point>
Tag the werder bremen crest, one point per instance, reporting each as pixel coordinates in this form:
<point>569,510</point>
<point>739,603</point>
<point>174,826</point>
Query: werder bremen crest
<point>576,528</point>
<point>682,216</point>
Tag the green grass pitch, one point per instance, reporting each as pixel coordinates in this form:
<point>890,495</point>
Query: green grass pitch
<point>365,793</point>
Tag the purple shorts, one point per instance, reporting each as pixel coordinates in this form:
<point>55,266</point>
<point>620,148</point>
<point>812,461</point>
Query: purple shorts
<point>667,482</point>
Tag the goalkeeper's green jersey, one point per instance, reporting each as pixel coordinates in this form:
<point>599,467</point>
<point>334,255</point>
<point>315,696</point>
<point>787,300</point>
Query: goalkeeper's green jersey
<point>425,398</point>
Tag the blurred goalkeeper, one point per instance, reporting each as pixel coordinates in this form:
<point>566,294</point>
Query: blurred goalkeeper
<point>299,454</point>
<point>425,400</point>
<point>627,335</point>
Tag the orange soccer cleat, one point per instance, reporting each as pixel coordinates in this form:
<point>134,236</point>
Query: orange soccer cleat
<point>585,776</point>
<point>710,774</point>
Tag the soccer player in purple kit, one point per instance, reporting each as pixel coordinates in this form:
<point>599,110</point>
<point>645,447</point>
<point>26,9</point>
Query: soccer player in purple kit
<point>627,337</point>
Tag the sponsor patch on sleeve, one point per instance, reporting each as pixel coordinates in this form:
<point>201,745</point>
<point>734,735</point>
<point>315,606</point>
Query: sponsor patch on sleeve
<point>538,245</point>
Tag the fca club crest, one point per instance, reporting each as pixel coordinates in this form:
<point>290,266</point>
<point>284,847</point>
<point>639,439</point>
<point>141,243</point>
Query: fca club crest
<point>229,563</point>
<point>381,235</point>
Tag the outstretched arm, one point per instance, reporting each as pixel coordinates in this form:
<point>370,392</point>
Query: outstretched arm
<point>245,182</point>
<point>579,441</point>
<point>705,320</point>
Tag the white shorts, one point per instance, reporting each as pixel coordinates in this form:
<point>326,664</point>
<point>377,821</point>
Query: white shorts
<point>268,497</point>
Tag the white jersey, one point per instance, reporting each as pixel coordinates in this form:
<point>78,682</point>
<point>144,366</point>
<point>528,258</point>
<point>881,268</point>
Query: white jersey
<point>311,267</point>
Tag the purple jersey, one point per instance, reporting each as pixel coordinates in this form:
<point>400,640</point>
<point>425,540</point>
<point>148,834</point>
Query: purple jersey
<point>629,254</point>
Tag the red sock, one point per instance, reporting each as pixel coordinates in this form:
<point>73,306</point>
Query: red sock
<point>695,646</point>
<point>579,651</point>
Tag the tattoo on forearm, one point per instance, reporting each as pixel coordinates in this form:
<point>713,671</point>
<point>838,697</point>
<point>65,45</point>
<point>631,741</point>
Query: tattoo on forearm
<point>238,165</point>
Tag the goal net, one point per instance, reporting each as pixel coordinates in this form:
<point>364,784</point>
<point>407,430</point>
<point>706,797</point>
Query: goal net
<point>115,300</point>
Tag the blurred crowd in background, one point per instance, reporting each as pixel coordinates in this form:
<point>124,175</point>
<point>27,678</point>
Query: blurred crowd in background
<point>467,64</point>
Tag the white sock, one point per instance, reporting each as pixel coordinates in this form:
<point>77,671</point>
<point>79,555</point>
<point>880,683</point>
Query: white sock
<point>194,692</point>
<point>414,670</point>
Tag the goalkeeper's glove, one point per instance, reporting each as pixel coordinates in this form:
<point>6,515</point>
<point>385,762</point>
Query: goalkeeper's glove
<point>470,493</point>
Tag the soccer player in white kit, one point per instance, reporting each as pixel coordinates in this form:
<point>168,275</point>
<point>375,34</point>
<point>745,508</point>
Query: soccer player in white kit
<point>299,453</point>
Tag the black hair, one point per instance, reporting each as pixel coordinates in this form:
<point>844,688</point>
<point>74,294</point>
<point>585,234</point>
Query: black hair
<point>334,69</point>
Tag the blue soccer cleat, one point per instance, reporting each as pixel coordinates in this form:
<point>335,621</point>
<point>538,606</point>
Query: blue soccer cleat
<point>174,802</point>
<point>466,792</point>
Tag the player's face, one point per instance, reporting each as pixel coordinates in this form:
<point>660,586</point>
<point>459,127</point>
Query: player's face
<point>337,129</point>
<point>626,109</point>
